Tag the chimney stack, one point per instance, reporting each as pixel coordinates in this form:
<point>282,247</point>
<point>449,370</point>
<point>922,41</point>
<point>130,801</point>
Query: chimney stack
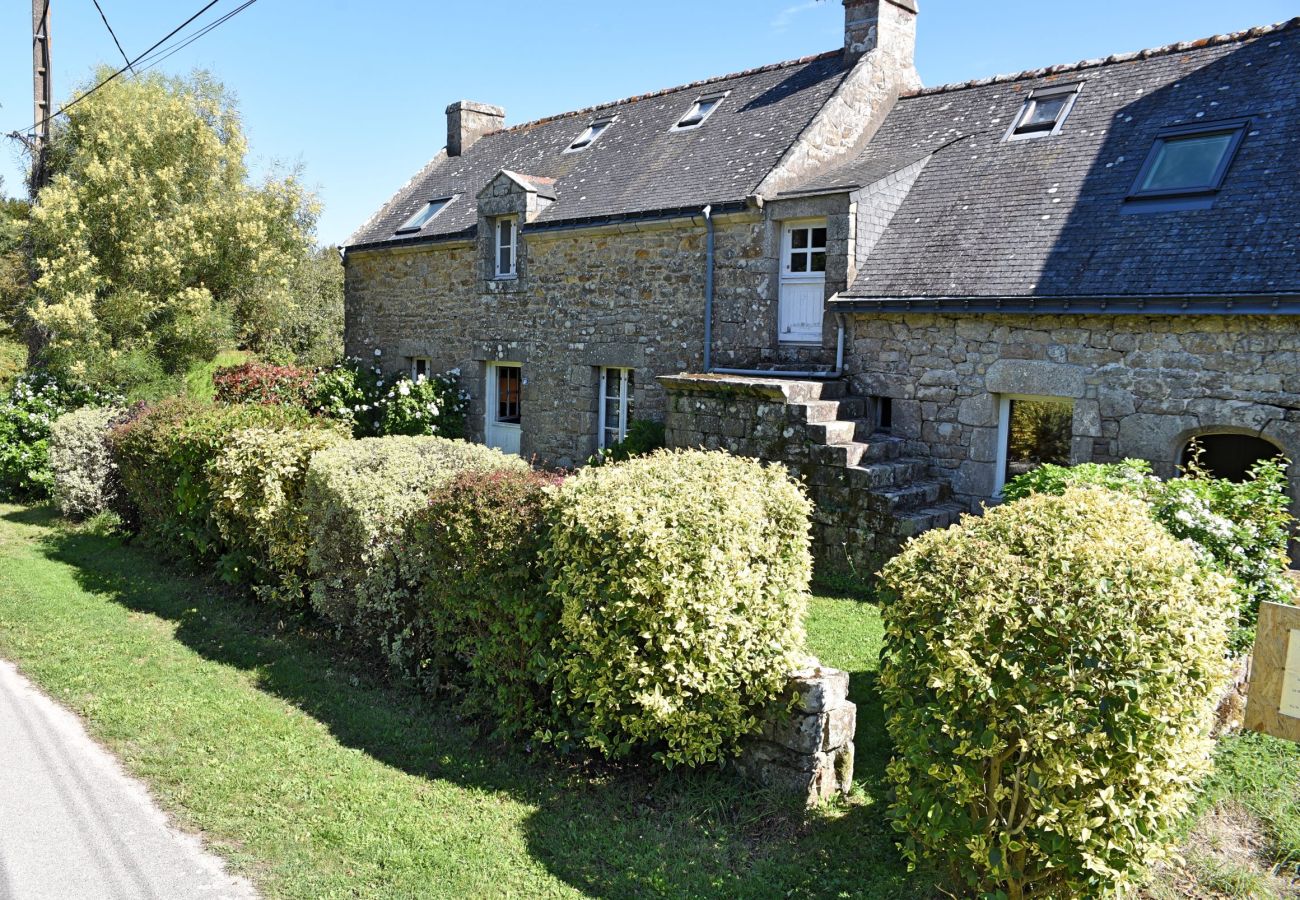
<point>888,26</point>
<point>468,121</point>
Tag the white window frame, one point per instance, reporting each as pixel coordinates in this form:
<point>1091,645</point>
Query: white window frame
<point>498,246</point>
<point>1004,431</point>
<point>788,250</point>
<point>624,398</point>
<point>1071,94</point>
<point>415,367</point>
<point>718,97</point>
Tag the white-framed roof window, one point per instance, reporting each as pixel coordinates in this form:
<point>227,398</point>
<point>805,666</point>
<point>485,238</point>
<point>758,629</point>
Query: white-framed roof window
<point>700,111</point>
<point>424,215</point>
<point>590,135</point>
<point>1044,112</point>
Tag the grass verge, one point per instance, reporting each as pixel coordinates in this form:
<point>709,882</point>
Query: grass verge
<point>317,779</point>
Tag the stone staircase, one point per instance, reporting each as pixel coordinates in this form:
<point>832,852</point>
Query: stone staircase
<point>841,431</point>
<point>870,494</point>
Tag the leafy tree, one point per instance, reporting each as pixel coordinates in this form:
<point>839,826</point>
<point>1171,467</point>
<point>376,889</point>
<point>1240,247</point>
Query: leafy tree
<point>154,250</point>
<point>306,326</point>
<point>14,280</point>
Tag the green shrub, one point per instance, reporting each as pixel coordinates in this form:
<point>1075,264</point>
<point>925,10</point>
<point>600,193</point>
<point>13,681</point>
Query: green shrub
<point>1240,529</point>
<point>683,579</point>
<point>1049,674</point>
<point>32,405</point>
<point>257,482</point>
<point>376,406</point>
<point>163,455</point>
<point>80,462</point>
<point>643,436</point>
<point>486,614</point>
<point>357,499</point>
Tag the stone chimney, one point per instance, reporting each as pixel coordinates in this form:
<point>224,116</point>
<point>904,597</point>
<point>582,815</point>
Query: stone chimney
<point>885,25</point>
<point>468,121</point>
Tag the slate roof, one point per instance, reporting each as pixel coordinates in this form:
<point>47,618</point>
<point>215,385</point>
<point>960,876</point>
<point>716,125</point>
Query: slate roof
<point>638,165</point>
<point>1045,217</point>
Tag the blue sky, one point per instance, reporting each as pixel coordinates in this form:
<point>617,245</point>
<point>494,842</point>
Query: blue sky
<point>355,92</point>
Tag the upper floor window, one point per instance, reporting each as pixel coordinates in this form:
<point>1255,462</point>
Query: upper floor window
<point>1044,112</point>
<point>700,110</point>
<point>805,249</point>
<point>590,135</point>
<point>1189,160</point>
<point>507,240</point>
<point>424,215</point>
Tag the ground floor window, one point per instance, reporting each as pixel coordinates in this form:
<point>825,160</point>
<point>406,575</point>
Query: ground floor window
<point>1229,456</point>
<point>504,401</point>
<point>1032,431</point>
<point>615,404</point>
<point>419,367</point>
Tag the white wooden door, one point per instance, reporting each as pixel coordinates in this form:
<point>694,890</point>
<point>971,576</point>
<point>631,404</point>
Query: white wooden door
<point>803,282</point>
<point>504,425</point>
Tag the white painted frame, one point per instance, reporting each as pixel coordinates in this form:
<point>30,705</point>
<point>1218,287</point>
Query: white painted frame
<point>493,429</point>
<point>695,105</point>
<point>604,126</point>
<point>624,404</point>
<point>809,280</point>
<point>499,245</point>
<point>415,367</point>
<point>1004,431</point>
<point>1069,91</point>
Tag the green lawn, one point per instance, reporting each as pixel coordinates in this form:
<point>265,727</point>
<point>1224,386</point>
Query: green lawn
<point>317,779</point>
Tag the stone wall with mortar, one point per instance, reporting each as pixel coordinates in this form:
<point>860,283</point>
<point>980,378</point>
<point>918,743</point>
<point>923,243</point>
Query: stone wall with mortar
<point>806,747</point>
<point>627,296</point>
<point>1142,386</point>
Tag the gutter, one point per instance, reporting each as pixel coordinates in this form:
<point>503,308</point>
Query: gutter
<point>1274,304</point>
<point>709,368</point>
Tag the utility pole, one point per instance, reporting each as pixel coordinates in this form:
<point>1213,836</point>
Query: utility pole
<point>42,90</point>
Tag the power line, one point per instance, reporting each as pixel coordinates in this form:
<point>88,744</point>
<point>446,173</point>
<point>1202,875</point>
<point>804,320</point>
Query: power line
<point>113,34</point>
<point>165,52</point>
<point>169,36</point>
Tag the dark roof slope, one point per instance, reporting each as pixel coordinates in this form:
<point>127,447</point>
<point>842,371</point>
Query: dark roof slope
<point>1045,217</point>
<point>638,165</point>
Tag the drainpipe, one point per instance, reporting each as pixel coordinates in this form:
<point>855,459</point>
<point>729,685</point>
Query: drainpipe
<point>708,324</point>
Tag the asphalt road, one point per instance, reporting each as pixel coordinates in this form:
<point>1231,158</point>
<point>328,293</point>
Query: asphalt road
<point>73,825</point>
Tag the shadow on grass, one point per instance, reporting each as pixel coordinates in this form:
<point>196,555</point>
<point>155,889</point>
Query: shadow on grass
<point>608,832</point>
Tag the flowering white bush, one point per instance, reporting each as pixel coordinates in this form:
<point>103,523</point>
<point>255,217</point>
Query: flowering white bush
<point>376,406</point>
<point>80,462</point>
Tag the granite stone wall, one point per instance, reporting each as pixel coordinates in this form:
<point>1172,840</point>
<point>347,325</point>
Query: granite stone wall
<point>626,296</point>
<point>1142,386</point>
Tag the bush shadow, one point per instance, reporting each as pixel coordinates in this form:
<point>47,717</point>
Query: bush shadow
<point>608,831</point>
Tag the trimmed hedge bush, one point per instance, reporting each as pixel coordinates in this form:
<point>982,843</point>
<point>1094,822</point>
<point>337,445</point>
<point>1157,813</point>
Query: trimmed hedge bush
<point>1240,529</point>
<point>257,483</point>
<point>357,499</point>
<point>163,454</point>
<point>683,580</point>
<point>1049,674</point>
<point>488,618</point>
<point>255,382</point>
<point>80,463</point>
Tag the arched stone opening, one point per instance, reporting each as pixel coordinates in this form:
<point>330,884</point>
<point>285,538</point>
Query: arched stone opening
<point>1228,455</point>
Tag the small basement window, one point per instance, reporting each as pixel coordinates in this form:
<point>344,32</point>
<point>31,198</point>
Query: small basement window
<point>424,216</point>
<point>1032,431</point>
<point>1189,160</point>
<point>1044,112</point>
<point>700,110</point>
<point>590,135</point>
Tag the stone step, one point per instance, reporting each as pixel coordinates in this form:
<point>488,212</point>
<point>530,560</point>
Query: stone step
<point>916,495</point>
<point>865,428</point>
<point>853,453</point>
<point>809,411</point>
<point>918,521</point>
<point>886,474</point>
<point>832,432</point>
<point>803,391</point>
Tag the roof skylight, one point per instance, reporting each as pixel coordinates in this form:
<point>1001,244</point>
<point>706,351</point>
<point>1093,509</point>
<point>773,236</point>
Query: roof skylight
<point>1189,160</point>
<point>424,215</point>
<point>590,135</point>
<point>700,111</point>
<point>1044,112</point>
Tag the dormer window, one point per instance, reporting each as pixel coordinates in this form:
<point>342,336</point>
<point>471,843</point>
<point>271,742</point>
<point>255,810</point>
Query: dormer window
<point>590,135</point>
<point>506,240</point>
<point>700,111</point>
<point>1189,160</point>
<point>424,215</point>
<point>1044,112</point>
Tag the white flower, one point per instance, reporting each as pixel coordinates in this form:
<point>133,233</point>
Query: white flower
<point>404,388</point>
<point>378,352</point>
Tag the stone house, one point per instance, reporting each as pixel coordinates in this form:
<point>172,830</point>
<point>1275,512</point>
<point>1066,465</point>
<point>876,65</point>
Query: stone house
<point>906,294</point>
